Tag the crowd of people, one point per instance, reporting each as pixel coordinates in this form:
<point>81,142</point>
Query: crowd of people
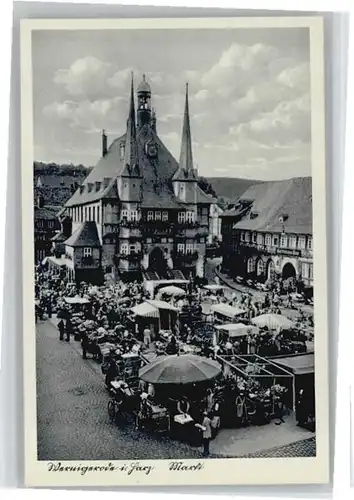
<point>102,315</point>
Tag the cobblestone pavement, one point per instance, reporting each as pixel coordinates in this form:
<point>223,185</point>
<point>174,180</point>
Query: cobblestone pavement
<point>304,448</point>
<point>73,423</point>
<point>72,417</point>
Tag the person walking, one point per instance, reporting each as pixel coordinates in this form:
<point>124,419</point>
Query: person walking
<point>147,337</point>
<point>68,329</point>
<point>84,343</point>
<point>61,328</point>
<point>206,425</point>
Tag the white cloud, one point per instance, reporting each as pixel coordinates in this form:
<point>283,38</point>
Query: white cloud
<point>289,120</point>
<point>250,110</point>
<point>86,76</point>
<point>87,115</point>
<point>121,79</point>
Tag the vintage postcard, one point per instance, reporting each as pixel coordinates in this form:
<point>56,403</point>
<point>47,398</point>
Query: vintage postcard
<point>174,252</point>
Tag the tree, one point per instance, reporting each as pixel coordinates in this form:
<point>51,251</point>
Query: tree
<point>205,185</point>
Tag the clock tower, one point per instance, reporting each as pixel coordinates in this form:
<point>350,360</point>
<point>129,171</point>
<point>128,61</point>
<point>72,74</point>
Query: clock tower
<point>144,103</point>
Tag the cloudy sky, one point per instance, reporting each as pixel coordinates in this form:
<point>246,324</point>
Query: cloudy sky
<point>249,95</point>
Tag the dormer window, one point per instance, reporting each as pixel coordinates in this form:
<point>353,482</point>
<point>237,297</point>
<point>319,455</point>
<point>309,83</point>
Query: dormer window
<point>283,218</point>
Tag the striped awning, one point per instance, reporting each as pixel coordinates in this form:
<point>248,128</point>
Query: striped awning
<point>146,310</point>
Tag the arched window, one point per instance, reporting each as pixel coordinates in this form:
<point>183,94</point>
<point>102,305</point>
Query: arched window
<point>250,266</point>
<point>260,267</point>
<point>270,269</point>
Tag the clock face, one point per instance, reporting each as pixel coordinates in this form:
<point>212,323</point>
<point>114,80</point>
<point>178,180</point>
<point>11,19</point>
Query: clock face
<point>152,150</point>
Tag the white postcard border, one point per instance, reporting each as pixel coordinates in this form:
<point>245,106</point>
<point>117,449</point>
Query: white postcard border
<point>228,471</point>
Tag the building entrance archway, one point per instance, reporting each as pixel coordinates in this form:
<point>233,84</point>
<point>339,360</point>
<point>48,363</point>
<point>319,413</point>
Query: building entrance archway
<point>157,261</point>
<point>288,271</point>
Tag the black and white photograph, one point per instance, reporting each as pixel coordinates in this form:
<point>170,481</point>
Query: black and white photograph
<point>175,263</point>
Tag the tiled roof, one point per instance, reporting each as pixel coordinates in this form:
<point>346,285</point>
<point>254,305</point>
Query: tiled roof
<point>157,175</point>
<point>59,237</point>
<point>44,213</point>
<point>269,201</point>
<point>204,197</point>
<point>86,235</point>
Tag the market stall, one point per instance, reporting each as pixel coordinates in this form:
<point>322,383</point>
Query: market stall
<point>180,383</point>
<point>156,315</point>
<point>173,291</point>
<point>223,312</point>
<point>302,366</point>
<point>234,330</point>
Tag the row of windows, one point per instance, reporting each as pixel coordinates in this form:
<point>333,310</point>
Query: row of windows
<point>134,215</point>
<point>126,248</point>
<point>186,248</point>
<point>159,240</point>
<point>259,267</point>
<point>276,240</point>
<point>82,213</point>
<point>41,223</point>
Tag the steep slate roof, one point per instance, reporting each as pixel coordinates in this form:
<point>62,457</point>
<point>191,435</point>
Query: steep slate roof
<point>157,174</point>
<point>86,235</point>
<point>290,198</point>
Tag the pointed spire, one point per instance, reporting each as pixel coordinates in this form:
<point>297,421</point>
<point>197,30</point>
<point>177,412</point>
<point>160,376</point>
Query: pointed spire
<point>186,157</point>
<point>131,159</point>
<point>186,169</point>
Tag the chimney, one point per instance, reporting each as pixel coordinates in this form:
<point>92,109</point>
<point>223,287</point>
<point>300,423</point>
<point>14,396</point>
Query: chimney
<point>104,143</point>
<point>40,201</point>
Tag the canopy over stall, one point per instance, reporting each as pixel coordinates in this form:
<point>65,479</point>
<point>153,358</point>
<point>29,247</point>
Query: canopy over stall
<point>302,366</point>
<point>227,311</point>
<point>265,371</point>
<point>172,290</point>
<point>145,310</point>
<point>76,300</point>
<point>299,364</point>
<point>238,329</point>
<point>214,287</point>
<point>273,321</point>
<point>157,309</point>
<point>161,304</point>
<point>152,286</point>
<point>184,369</point>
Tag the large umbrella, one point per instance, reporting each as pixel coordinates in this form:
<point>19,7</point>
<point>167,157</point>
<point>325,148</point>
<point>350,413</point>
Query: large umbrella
<point>273,321</point>
<point>183,369</point>
<point>172,290</point>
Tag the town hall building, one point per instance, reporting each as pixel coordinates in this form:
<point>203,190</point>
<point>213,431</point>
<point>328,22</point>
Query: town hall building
<point>139,212</point>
